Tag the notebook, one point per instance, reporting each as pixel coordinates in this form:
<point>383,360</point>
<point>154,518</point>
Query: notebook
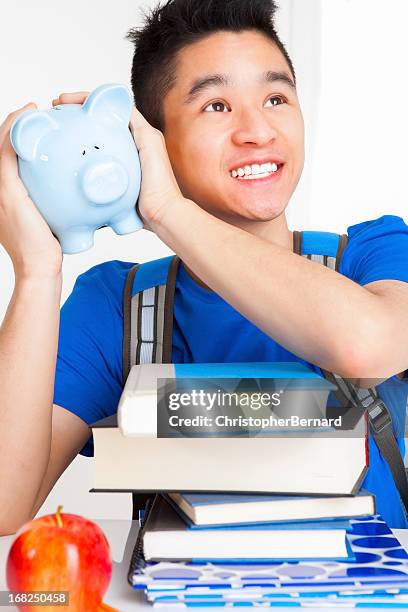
<point>380,562</point>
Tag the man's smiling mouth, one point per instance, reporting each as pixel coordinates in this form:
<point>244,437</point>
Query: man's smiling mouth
<point>255,171</point>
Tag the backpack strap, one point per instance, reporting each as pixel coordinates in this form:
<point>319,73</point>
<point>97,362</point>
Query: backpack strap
<point>322,247</point>
<point>327,248</point>
<point>148,313</point>
<point>148,302</point>
<point>380,420</point>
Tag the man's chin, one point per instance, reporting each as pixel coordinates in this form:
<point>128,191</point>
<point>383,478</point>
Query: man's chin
<point>258,211</point>
<point>237,211</point>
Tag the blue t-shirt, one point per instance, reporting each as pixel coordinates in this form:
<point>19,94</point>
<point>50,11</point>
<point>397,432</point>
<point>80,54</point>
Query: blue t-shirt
<point>208,330</point>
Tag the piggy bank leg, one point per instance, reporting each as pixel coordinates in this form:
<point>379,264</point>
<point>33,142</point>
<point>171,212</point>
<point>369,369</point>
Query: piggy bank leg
<point>126,223</point>
<point>76,239</point>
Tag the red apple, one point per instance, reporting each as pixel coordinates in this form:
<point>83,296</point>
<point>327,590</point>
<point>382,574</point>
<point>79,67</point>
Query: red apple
<point>61,552</point>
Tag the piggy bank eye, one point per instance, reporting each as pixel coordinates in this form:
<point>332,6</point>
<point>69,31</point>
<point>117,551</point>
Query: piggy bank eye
<point>95,147</point>
<point>83,151</point>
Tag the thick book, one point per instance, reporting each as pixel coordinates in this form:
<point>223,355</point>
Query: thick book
<point>209,510</point>
<point>167,537</point>
<point>319,463</point>
<point>302,466</point>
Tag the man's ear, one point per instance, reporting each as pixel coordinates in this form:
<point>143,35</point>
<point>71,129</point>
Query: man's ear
<point>110,104</point>
<point>27,131</point>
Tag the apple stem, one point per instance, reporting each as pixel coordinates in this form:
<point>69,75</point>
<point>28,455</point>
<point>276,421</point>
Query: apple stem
<point>58,516</point>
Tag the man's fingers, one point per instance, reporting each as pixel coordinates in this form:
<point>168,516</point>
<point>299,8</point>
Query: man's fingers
<point>137,121</point>
<point>74,97</point>
<point>12,116</point>
<point>142,131</point>
<point>6,125</point>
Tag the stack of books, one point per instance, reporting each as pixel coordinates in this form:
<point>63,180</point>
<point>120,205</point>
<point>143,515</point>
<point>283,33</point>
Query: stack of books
<point>139,449</point>
<point>186,557</point>
<point>273,515</point>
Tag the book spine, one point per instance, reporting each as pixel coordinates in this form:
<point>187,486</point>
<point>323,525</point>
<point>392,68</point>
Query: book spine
<point>138,562</point>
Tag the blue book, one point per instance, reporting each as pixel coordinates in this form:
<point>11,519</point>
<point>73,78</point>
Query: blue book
<point>369,601</point>
<point>357,598</point>
<point>379,563</point>
<point>209,510</point>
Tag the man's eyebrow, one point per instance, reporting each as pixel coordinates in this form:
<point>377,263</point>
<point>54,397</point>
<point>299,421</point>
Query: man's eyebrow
<point>202,83</point>
<point>217,80</point>
<point>271,76</point>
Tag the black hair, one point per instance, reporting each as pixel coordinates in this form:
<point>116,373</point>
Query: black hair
<point>171,26</point>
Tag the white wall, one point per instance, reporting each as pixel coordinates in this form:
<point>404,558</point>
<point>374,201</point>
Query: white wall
<point>360,127</point>
<point>354,92</point>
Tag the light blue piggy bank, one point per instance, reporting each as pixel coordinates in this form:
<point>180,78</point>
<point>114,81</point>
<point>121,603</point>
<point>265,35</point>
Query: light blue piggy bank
<point>80,166</point>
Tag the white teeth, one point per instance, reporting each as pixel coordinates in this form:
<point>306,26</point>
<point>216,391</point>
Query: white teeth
<point>258,170</point>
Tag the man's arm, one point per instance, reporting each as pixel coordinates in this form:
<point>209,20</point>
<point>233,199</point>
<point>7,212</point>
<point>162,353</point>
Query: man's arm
<point>69,435</point>
<point>37,441</point>
<point>318,314</point>
<point>28,343</point>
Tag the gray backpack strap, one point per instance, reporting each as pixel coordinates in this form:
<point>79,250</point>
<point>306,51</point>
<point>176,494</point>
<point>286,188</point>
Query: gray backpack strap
<point>380,421</point>
<point>297,242</point>
<point>340,250</point>
<point>127,337</point>
<point>148,321</point>
<point>168,311</point>
<point>152,321</point>
<point>147,333</point>
<point>366,400</point>
<point>326,260</point>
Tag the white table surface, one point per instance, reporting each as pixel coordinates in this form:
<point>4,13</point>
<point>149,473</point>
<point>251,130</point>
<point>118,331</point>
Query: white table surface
<point>122,536</point>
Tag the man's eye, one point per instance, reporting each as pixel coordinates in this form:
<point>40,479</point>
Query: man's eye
<point>216,107</point>
<point>274,101</point>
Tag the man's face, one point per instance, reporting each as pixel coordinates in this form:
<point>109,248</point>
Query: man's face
<point>231,119</point>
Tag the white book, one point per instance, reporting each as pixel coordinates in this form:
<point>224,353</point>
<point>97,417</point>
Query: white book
<point>132,457</point>
<point>167,537</point>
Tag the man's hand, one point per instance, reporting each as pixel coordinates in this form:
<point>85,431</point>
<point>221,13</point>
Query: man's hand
<point>159,188</point>
<point>23,232</point>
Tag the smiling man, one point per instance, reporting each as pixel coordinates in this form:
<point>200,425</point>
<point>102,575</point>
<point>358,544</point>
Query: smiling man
<point>221,141</point>
<point>243,112</point>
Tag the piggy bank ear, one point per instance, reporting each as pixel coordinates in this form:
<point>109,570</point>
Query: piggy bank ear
<point>110,104</point>
<point>27,131</point>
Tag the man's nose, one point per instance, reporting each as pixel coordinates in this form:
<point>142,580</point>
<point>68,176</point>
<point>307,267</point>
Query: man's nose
<point>253,127</point>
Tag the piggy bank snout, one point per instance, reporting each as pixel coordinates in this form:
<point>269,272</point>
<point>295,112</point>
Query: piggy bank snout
<point>104,182</point>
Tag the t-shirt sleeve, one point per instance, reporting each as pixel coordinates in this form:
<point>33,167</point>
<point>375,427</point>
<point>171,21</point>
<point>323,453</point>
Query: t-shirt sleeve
<point>88,378</point>
<point>377,250</point>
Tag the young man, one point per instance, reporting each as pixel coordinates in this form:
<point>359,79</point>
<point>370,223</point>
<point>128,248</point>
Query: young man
<point>215,79</point>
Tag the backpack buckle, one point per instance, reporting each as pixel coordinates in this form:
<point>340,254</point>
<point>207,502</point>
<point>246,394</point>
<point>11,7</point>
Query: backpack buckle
<point>379,416</point>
